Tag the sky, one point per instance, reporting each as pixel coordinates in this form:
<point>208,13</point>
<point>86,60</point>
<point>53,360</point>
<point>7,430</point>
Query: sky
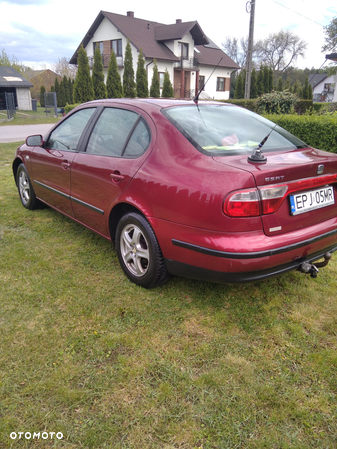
<point>40,32</point>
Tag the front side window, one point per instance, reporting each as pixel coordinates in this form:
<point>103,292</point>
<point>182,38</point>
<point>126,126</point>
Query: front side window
<point>67,135</point>
<point>229,130</point>
<point>117,133</point>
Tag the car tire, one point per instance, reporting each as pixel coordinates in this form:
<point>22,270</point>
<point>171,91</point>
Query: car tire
<point>138,251</point>
<point>25,188</point>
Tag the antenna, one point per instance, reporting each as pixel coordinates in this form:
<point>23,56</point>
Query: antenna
<point>196,98</point>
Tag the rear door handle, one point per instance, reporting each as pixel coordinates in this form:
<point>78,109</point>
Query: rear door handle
<point>116,176</point>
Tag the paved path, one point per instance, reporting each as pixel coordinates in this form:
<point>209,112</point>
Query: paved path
<point>19,133</point>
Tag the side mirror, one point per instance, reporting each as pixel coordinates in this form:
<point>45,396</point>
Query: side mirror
<point>34,141</point>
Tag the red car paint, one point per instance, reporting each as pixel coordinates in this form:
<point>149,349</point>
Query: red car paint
<point>181,190</point>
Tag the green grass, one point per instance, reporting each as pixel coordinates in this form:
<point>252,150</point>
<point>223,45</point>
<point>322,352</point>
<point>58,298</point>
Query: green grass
<point>188,365</point>
<point>28,118</point>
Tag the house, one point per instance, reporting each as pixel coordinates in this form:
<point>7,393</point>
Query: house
<point>41,78</point>
<point>323,87</point>
<point>180,48</point>
<point>12,81</point>
<point>333,57</point>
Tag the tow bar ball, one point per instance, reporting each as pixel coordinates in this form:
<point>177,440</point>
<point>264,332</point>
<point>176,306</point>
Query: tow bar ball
<point>313,269</point>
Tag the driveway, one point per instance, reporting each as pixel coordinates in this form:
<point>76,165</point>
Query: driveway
<point>19,133</point>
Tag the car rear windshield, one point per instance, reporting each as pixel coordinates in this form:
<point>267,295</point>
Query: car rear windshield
<point>219,130</point>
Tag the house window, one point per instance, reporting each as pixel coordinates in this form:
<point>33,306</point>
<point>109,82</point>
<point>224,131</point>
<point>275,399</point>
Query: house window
<point>98,45</point>
<point>161,79</point>
<point>220,84</point>
<point>329,87</point>
<point>116,46</point>
<point>201,83</point>
<point>183,50</point>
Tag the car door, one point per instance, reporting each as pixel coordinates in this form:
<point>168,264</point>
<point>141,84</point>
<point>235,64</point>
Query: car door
<point>115,151</point>
<point>51,163</point>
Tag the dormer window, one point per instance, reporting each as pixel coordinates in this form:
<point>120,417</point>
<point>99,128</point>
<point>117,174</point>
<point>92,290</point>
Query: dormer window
<point>183,50</point>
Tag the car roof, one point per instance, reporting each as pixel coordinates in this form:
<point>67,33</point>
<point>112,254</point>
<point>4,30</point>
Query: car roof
<point>143,102</point>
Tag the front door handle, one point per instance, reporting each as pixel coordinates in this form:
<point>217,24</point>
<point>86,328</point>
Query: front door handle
<point>116,176</point>
<point>65,164</point>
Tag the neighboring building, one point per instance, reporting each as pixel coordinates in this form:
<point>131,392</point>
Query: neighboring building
<point>181,48</point>
<point>12,82</point>
<point>333,57</point>
<point>40,78</point>
<point>323,87</point>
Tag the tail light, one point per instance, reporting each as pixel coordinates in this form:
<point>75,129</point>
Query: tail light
<point>268,199</point>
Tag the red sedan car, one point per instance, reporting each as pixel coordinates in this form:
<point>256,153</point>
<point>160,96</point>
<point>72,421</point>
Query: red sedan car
<point>209,191</point>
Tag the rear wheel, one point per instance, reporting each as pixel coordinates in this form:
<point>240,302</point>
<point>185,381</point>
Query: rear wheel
<point>138,251</point>
<point>25,188</point>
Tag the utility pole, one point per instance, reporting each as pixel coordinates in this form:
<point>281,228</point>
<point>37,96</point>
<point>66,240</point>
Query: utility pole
<point>250,6</point>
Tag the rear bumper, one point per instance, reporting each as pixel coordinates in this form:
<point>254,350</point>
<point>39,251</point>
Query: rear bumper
<point>204,274</point>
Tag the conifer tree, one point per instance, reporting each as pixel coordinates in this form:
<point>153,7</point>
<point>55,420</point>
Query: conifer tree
<point>240,86</point>
<point>60,95</point>
<point>155,88</point>
<point>66,90</point>
<point>83,88</point>
<point>57,88</point>
<point>42,92</point>
<point>129,85</point>
<point>305,91</point>
<point>266,85</point>
<point>70,90</point>
<point>280,85</point>
<point>259,82</point>
<point>141,77</point>
<point>271,79</point>
<point>98,76</point>
<point>253,87</point>
<point>167,86</point>
<point>113,82</point>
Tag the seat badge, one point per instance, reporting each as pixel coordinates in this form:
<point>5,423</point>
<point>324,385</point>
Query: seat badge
<point>320,169</point>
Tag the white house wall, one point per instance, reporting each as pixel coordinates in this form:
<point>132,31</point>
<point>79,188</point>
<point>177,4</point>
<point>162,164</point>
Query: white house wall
<point>24,99</point>
<point>106,32</point>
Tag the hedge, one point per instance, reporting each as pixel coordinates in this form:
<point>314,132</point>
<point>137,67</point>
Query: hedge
<point>318,131</point>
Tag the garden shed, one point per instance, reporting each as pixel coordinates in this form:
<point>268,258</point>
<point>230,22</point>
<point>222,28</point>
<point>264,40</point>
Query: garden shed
<point>11,81</point>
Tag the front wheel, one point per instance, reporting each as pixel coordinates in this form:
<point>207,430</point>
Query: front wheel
<point>25,188</point>
<point>139,253</point>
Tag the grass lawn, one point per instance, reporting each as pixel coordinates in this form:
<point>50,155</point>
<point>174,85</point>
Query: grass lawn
<point>189,365</point>
<point>28,118</point>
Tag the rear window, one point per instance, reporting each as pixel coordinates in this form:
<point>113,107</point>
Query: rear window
<point>229,130</point>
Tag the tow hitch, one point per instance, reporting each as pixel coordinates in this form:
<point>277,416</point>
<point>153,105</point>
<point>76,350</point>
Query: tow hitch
<point>313,268</point>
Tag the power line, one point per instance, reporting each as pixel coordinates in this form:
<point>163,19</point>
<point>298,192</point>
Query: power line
<point>298,13</point>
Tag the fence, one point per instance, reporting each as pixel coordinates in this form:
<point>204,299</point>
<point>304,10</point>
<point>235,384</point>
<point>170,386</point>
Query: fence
<point>50,103</point>
<point>10,105</point>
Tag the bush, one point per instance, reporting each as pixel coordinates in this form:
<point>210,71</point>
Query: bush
<point>248,104</point>
<point>276,103</point>
<point>318,131</point>
<point>70,107</point>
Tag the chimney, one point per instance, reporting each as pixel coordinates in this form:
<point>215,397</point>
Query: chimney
<point>130,14</point>
<point>178,21</point>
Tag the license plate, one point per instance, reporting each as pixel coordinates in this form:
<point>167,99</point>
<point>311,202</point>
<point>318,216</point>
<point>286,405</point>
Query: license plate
<point>314,199</point>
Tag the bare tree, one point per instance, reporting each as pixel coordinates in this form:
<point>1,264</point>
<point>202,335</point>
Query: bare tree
<point>236,49</point>
<point>280,50</point>
<point>63,68</point>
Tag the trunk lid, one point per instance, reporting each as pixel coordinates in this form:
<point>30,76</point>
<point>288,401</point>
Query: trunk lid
<point>285,168</point>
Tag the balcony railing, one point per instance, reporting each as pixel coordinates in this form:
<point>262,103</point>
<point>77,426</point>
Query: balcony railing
<point>187,64</point>
<point>106,60</point>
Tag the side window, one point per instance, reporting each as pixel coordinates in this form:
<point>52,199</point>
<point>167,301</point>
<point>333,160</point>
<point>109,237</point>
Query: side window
<point>68,133</point>
<point>111,132</point>
<point>139,140</point>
